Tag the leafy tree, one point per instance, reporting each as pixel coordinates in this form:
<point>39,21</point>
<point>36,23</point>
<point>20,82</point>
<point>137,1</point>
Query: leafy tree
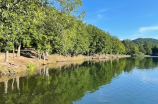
<point>147,48</point>
<point>130,47</point>
<point>117,46</point>
<point>141,49</point>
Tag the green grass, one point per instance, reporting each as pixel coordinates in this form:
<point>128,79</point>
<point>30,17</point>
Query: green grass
<point>54,61</point>
<point>1,68</point>
<point>54,55</point>
<point>31,66</point>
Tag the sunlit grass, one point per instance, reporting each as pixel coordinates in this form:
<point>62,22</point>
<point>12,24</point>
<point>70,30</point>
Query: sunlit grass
<point>31,66</point>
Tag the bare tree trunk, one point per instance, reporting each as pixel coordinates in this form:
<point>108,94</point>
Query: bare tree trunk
<point>39,55</point>
<point>104,55</point>
<point>6,56</point>
<point>13,52</point>
<point>0,49</point>
<point>19,47</point>
<point>44,57</point>
<point>47,52</point>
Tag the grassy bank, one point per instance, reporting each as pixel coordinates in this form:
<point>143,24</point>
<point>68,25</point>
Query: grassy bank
<point>23,64</point>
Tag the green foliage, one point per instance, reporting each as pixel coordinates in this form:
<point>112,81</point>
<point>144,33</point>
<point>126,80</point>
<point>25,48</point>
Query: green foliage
<point>141,49</point>
<point>130,47</point>
<point>155,49</point>
<point>31,68</point>
<point>137,54</point>
<point>147,48</point>
<point>142,41</point>
<point>56,26</point>
<point>99,40</point>
<point>116,46</point>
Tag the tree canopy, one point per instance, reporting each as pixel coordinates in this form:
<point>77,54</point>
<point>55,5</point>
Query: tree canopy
<point>142,41</point>
<point>57,27</point>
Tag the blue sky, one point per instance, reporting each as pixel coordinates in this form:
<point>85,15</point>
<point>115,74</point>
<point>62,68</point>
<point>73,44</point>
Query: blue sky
<point>126,19</point>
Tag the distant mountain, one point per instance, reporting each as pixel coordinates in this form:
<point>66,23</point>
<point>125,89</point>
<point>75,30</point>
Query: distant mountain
<point>142,41</point>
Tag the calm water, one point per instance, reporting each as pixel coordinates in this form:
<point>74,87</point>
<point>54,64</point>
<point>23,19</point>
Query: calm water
<point>123,81</point>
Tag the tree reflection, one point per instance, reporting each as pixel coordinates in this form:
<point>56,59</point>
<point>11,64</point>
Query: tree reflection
<point>69,84</point>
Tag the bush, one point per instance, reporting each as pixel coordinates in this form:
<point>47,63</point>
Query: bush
<point>138,54</point>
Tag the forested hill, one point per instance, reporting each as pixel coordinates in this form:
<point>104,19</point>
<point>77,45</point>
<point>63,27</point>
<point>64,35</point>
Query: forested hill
<point>142,41</point>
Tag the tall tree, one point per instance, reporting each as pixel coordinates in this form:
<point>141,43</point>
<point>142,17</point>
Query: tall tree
<point>147,48</point>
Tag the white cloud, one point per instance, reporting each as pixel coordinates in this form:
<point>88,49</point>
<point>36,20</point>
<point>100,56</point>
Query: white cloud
<point>99,16</point>
<point>102,10</point>
<point>143,29</point>
<point>143,32</point>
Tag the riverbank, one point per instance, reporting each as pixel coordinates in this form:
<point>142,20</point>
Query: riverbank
<point>23,64</point>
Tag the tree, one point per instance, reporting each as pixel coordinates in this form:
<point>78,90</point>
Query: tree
<point>141,48</point>
<point>130,47</point>
<point>147,48</point>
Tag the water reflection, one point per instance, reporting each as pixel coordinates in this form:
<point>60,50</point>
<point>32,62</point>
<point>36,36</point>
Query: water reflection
<point>68,84</point>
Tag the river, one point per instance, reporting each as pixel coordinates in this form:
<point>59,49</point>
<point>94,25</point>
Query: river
<point>122,81</point>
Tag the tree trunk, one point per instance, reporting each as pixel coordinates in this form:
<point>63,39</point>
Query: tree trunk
<point>38,54</point>
<point>47,52</point>
<point>6,56</point>
<point>44,57</point>
<point>13,52</point>
<point>104,55</point>
<point>19,47</point>
<point>90,53</point>
<point>99,56</point>
<point>0,49</point>
<point>40,57</point>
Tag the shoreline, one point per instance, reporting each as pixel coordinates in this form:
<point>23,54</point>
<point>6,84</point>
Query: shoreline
<point>21,64</point>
